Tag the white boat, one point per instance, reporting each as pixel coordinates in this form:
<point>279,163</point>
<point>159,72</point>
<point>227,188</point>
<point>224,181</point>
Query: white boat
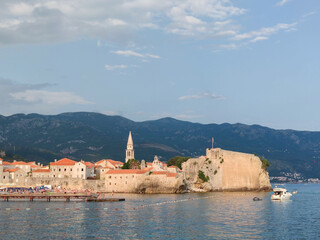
<point>280,194</point>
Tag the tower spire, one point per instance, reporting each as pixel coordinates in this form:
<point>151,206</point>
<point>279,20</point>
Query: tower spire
<point>130,150</point>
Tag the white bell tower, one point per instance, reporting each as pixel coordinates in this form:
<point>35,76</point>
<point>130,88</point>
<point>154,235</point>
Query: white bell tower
<point>130,150</point>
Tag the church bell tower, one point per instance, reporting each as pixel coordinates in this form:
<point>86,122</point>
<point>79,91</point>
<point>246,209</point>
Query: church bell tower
<point>130,150</point>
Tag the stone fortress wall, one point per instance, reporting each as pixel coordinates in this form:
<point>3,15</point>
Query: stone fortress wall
<point>227,171</point>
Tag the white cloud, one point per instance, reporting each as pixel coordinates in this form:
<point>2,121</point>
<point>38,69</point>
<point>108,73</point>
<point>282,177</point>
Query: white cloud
<point>202,95</point>
<point>114,67</point>
<point>122,21</point>
<point>264,32</point>
<point>282,2</point>
<point>47,97</point>
<point>259,39</point>
<point>18,97</point>
<point>130,53</point>
<point>43,21</point>
<point>228,46</point>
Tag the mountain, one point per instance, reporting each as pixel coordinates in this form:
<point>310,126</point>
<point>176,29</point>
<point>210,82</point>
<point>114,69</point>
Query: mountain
<point>93,136</point>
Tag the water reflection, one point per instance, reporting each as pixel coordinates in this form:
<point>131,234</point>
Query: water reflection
<point>213,216</point>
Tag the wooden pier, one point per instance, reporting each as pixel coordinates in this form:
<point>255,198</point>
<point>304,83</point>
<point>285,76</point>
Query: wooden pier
<point>53,196</point>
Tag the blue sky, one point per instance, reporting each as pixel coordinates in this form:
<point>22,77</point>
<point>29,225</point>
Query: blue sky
<point>207,61</point>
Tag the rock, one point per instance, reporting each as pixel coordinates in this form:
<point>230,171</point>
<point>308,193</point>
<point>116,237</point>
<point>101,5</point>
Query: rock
<point>226,171</point>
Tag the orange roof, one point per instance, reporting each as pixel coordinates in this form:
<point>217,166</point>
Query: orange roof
<point>41,170</point>
<point>19,163</point>
<point>147,169</point>
<point>6,163</point>
<point>172,166</point>
<point>149,163</point>
<point>63,162</point>
<point>124,171</point>
<point>171,175</point>
<point>89,164</point>
<point>160,173</point>
<point>113,162</point>
<point>11,170</point>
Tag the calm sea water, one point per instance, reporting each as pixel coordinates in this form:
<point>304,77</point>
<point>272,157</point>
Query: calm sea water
<point>187,216</point>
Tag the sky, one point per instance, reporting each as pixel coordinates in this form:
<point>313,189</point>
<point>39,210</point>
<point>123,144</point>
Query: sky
<point>206,61</point>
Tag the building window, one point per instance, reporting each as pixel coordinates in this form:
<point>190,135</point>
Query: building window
<point>82,169</point>
<point>70,169</point>
<point>110,183</point>
<point>126,182</point>
<point>115,183</point>
<point>110,177</point>
<point>59,170</point>
<point>65,169</point>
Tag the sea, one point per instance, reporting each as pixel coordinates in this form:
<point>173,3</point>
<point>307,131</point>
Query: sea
<point>215,215</point>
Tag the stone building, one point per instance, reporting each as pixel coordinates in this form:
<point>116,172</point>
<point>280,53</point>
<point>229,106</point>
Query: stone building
<point>62,168</point>
<point>41,173</point>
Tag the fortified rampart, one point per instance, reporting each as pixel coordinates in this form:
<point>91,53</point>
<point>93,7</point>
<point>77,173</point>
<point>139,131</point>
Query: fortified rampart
<point>227,171</point>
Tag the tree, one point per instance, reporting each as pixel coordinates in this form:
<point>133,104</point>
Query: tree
<point>131,164</point>
<point>265,163</point>
<point>177,161</point>
<point>203,177</point>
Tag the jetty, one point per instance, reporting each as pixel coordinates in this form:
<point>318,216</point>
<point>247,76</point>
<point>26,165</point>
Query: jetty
<point>55,196</point>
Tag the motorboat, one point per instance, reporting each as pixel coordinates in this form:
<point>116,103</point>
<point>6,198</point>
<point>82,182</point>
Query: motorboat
<point>280,194</point>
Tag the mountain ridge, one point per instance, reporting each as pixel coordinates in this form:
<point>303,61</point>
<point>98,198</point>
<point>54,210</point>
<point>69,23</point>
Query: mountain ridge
<point>93,136</point>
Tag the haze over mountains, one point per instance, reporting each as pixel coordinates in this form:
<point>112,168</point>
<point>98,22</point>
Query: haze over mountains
<point>94,136</point>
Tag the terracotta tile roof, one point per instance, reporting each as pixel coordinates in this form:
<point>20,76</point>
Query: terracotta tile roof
<point>89,164</point>
<point>160,173</point>
<point>113,162</point>
<point>99,162</point>
<point>171,175</point>
<point>149,163</point>
<point>63,162</point>
<point>34,166</point>
<point>11,170</point>
<point>124,171</point>
<point>145,170</point>
<point>41,170</point>
<point>19,163</point>
<point>107,168</point>
<point>6,163</point>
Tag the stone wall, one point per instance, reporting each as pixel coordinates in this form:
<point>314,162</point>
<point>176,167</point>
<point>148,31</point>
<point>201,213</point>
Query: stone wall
<point>227,171</point>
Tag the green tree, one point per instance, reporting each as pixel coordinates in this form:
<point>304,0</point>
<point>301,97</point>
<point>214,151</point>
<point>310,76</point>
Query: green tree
<point>177,161</point>
<point>265,163</point>
<point>203,177</point>
<point>131,164</point>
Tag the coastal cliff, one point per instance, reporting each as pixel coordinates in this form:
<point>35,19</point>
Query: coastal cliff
<point>222,170</point>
